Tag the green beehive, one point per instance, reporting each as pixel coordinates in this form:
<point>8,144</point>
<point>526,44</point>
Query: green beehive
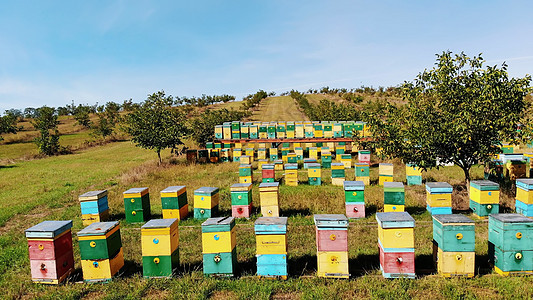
<point>338,129</point>
<point>100,240</point>
<point>241,194</point>
<point>394,193</point>
<point>219,246</point>
<point>454,233</point>
<point>137,205</point>
<point>362,170</point>
<point>354,197</point>
<point>326,160</point>
<point>271,131</point>
<point>245,131</point>
<point>348,130</point>
<point>245,170</point>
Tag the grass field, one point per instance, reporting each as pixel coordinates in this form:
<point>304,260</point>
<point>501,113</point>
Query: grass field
<point>282,108</point>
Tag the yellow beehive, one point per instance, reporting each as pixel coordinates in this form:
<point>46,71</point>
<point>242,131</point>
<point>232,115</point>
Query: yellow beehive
<point>385,178</point>
<point>245,159</point>
<point>393,208</point>
<point>396,237</point>
<point>313,152</point>
<point>386,169</point>
<point>413,171</point>
<point>268,195</point>
<point>260,163</point>
<point>238,145</point>
<point>456,263</point>
<point>332,262</point>
<point>219,242</point>
<point>364,179</point>
<point>261,153</point>
<point>160,241</point>
<point>271,244</point>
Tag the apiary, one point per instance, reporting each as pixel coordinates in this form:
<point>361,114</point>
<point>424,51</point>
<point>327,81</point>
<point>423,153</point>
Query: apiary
<point>326,160</point>
<point>50,251</point>
<point>354,196</point>
<point>94,207</point>
<point>338,174</point>
<point>268,173</point>
<point>346,159</point>
<point>393,197</point>
<point>314,174</point>
<point>271,247</point>
<point>245,173</point>
<point>174,202</point>
<point>332,245</point>
<point>137,205</point>
<point>219,240</point>
<point>362,173</point>
<point>484,197</point>
<point>101,251</point>
<point>413,174</point>
<point>396,244</point>
<point>268,194</point>
<point>511,244</point>
<point>439,198</point>
<point>206,201</point>
<point>363,156</point>
<point>160,247</point>
<point>455,238</point>
<point>524,197</point>
<point>241,200</point>
<point>386,172</point>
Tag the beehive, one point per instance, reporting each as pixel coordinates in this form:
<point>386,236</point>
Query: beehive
<point>413,174</point>
<point>245,173</point>
<point>308,161</point>
<point>393,197</point>
<point>206,201</point>
<point>219,250</point>
<point>346,159</point>
<point>101,251</point>
<point>284,154</point>
<point>309,131</point>
<point>219,133</point>
<point>268,194</point>
<point>291,174</point>
<point>271,130</point>
<point>278,165</point>
<point>281,130</point>
<point>439,198</point>
<point>314,174</point>
<point>268,173</point>
<point>299,131</point>
<point>160,247</point>
<point>261,153</point>
<point>174,202</point>
<point>235,130</point>
<point>524,197</point>
<point>507,148</point>
<point>455,238</point>
<point>511,244</point>
<point>386,172</point>
<point>515,169</point>
<point>203,156</point>
<point>271,247</point>
<point>292,158</point>
<point>338,130</point>
<point>50,251</point>
<point>348,129</point>
<point>363,156</point>
<point>362,173</point>
<point>313,152</point>
<point>290,131</point>
<point>254,131</point>
<point>354,196</point>
<point>137,205</point>
<point>332,245</point>
<point>237,153</point>
<point>226,130</point>
<point>273,154</point>
<point>260,163</point>
<point>328,129</point>
<point>318,130</point>
<point>214,155</point>
<point>484,197</point>
<point>245,159</point>
<point>396,244</point>
<point>338,174</point>
<point>326,160</point>
<point>94,207</point>
<point>299,153</point>
<point>225,155</point>
<point>263,131</point>
<point>241,200</point>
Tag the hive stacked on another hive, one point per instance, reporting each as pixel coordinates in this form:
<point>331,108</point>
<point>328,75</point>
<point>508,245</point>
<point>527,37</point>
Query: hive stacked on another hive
<point>218,246</point>
<point>94,207</point>
<point>278,165</point>
<point>137,205</point>
<point>268,173</point>
<point>160,247</point>
<point>455,238</point>
<point>206,201</point>
<point>386,172</point>
<point>439,198</point>
<point>362,173</point>
<point>354,195</point>
<point>413,174</point>
<point>338,174</point>
<point>396,244</point>
<point>271,247</point>
<point>50,251</point>
<point>241,200</point>
<point>291,174</point>
<point>524,197</point>
<point>363,156</point>
<point>326,160</point>
<point>332,245</point>
<point>484,197</point>
<point>314,174</point>
<point>346,160</point>
<point>268,195</point>
<point>237,153</point>
<point>174,202</point>
<point>245,173</point>
<point>100,251</point>
<point>511,244</point>
<point>393,197</point>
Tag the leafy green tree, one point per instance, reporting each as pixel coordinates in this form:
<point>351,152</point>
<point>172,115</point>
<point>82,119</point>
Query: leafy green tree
<point>46,122</point>
<point>202,128</point>
<point>82,115</point>
<point>8,124</point>
<point>460,111</point>
<point>156,125</point>
<point>108,117</point>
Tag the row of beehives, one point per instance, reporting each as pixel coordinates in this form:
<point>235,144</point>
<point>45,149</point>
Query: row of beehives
<point>510,165</point>
<point>291,130</point>
<point>510,247</point>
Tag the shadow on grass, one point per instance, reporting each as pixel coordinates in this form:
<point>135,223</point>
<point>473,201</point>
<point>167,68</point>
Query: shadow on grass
<point>302,265</point>
<point>295,212</point>
<point>363,264</point>
<point>415,210</point>
<point>424,264</point>
<point>8,167</point>
<point>371,209</point>
<point>131,268</point>
<point>117,217</point>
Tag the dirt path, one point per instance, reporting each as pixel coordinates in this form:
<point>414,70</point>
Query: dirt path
<point>282,108</point>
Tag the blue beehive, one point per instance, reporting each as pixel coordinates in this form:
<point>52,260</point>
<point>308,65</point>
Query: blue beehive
<point>271,247</point>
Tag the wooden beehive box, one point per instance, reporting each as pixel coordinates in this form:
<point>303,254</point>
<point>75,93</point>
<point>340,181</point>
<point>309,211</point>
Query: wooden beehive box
<point>94,207</point>
<point>393,197</point>
<point>137,205</point>
<point>219,240</point>
<point>268,173</point>
<point>524,197</point>
<point>206,201</point>
<point>174,202</point>
<point>439,197</point>
<point>160,247</point>
<point>354,196</point>
<point>271,247</point>
<point>241,200</point>
<point>314,174</point>
<point>268,194</point>
<point>396,244</point>
<point>484,197</point>
<point>332,245</point>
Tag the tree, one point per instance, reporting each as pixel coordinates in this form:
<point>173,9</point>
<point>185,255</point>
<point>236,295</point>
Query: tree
<point>156,125</point>
<point>108,117</point>
<point>46,122</point>
<point>8,124</point>
<point>202,128</point>
<point>459,111</point>
<point>81,115</point>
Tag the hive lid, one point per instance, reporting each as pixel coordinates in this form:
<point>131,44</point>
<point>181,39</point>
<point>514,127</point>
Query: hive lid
<point>278,162</point>
<point>451,219</point>
<point>331,220</point>
<point>361,164</point>
<point>238,187</point>
<point>524,183</point>
<point>92,195</point>
<point>385,164</point>
<point>48,229</point>
<point>268,184</point>
<point>337,165</point>
<point>291,166</point>
<point>354,186</point>
<point>218,224</point>
<point>313,166</point>
<point>268,166</point>
<point>136,190</point>
<point>484,185</point>
<point>309,160</point>
<point>393,185</point>
<point>443,187</point>
<point>159,223</point>
<point>206,190</point>
<point>245,166</point>
<point>98,228</point>
<point>270,223</point>
<point>395,219</point>
<point>173,189</point>
<point>510,218</point>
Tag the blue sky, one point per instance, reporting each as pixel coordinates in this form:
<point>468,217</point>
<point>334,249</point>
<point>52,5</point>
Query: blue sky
<point>53,52</point>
